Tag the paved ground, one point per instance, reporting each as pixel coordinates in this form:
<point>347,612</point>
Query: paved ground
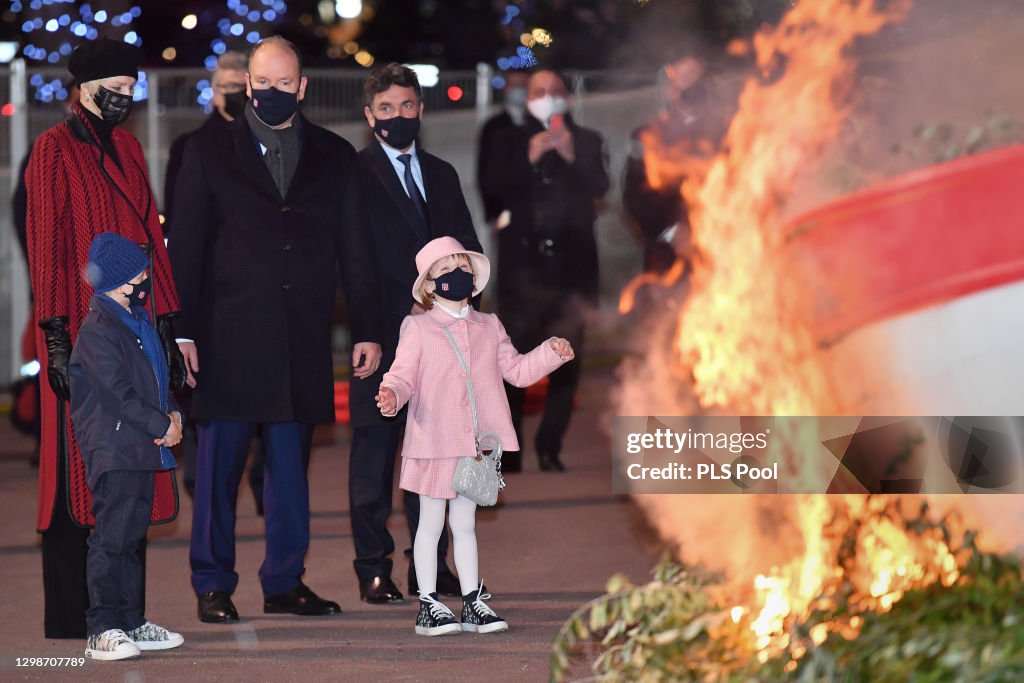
<point>548,550</point>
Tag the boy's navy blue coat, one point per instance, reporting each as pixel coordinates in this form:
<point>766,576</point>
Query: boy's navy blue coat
<point>115,402</point>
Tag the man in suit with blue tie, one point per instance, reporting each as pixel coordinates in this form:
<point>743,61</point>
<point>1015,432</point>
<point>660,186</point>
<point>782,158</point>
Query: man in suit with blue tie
<point>411,197</point>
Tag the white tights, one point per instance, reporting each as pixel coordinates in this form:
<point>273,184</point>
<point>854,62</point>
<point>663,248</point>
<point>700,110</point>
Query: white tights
<point>462,520</point>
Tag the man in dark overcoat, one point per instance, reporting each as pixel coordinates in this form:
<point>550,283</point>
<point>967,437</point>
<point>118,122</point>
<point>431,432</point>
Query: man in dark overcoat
<point>512,114</point>
<point>228,84</point>
<point>265,217</point>
<point>412,197</point>
<point>550,173</point>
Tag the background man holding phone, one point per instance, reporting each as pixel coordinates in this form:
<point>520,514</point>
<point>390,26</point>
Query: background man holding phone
<point>550,174</point>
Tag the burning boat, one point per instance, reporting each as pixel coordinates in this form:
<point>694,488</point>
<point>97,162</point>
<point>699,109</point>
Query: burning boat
<point>859,307</point>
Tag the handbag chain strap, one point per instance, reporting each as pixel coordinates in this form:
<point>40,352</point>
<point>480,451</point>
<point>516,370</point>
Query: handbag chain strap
<point>469,383</point>
<point>496,448</point>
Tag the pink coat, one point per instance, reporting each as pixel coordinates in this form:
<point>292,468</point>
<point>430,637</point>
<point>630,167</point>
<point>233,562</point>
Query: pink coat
<point>427,374</point>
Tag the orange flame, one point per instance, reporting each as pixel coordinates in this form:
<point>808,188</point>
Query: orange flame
<point>745,332</point>
<point>885,563</point>
<point>744,329</point>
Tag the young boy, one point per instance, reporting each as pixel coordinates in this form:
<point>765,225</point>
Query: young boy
<point>125,420</point>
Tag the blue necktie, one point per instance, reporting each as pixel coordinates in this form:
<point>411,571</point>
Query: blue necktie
<point>417,198</point>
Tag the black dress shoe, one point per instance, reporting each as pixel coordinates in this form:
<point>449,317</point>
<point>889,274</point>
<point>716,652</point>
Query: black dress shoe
<point>550,463</point>
<point>301,601</point>
<point>447,582</point>
<point>380,590</point>
<point>216,608</point>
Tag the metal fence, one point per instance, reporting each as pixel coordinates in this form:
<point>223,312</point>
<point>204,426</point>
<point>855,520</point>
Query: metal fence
<point>333,99</point>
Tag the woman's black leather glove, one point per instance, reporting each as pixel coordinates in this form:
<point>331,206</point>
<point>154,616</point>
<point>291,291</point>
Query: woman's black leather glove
<point>58,354</point>
<point>175,361</point>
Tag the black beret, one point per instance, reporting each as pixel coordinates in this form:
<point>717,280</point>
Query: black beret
<point>104,58</point>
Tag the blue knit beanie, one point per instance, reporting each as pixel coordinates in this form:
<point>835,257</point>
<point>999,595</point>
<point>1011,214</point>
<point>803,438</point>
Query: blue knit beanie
<point>113,261</point>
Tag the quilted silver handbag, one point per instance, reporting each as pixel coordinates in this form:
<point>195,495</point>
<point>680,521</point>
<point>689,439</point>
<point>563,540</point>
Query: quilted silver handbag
<point>479,478</point>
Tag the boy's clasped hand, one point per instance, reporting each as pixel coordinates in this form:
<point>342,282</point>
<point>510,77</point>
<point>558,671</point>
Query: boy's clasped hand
<point>173,435</point>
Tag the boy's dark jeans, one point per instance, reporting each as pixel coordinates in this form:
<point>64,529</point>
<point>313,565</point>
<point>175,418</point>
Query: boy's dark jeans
<point>122,503</point>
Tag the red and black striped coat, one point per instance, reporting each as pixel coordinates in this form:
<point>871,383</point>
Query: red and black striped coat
<point>70,201</point>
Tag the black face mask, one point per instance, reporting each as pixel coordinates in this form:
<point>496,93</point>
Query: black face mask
<point>234,103</point>
<point>140,293</point>
<point>398,132</point>
<point>455,285</point>
<point>272,106</point>
<point>114,107</point>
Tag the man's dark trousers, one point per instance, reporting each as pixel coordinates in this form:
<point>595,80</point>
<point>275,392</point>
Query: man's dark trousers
<point>220,461</point>
<point>370,487</point>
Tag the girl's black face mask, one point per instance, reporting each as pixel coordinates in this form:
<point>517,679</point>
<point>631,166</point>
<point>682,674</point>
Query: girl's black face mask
<point>114,107</point>
<point>455,285</point>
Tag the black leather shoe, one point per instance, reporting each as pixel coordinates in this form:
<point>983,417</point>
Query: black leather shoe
<point>301,601</point>
<point>380,590</point>
<point>550,463</point>
<point>216,608</point>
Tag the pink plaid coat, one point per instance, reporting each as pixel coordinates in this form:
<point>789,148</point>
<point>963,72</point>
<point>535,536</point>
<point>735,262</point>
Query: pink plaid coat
<point>427,374</point>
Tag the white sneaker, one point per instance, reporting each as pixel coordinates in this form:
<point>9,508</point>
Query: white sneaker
<point>110,645</point>
<point>149,636</point>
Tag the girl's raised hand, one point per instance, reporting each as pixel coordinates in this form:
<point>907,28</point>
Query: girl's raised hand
<point>387,402</point>
<point>563,348</point>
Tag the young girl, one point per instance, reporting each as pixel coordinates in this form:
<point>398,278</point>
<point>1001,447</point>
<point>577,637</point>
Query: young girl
<point>428,375</point>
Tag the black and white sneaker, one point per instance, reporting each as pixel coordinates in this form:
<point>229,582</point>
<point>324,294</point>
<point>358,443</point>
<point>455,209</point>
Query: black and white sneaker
<point>435,619</point>
<point>149,636</point>
<point>477,617</point>
<point>111,645</point>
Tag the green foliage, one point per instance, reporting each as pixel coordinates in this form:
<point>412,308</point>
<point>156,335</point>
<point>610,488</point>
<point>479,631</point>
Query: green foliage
<point>674,629</point>
<point>971,631</point>
<point>654,632</point>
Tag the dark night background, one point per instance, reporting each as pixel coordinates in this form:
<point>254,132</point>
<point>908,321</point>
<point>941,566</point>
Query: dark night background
<point>452,34</point>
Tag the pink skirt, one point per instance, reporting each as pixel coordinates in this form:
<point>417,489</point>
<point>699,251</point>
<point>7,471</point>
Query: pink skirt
<point>428,476</point>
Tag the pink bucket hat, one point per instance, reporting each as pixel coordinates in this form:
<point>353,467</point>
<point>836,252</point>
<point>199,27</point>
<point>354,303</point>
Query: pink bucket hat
<point>437,249</point>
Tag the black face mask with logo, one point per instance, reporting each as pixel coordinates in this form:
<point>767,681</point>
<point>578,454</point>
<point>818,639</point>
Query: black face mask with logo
<point>455,285</point>
<point>140,293</point>
<point>398,131</point>
<point>234,103</point>
<point>272,106</point>
<point>114,107</point>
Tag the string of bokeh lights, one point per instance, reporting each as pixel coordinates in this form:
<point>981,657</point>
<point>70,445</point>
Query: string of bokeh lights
<point>524,56</point>
<point>244,22</point>
<point>88,25</point>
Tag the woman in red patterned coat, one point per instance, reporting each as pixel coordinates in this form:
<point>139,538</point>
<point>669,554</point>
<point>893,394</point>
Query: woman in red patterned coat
<point>85,176</point>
